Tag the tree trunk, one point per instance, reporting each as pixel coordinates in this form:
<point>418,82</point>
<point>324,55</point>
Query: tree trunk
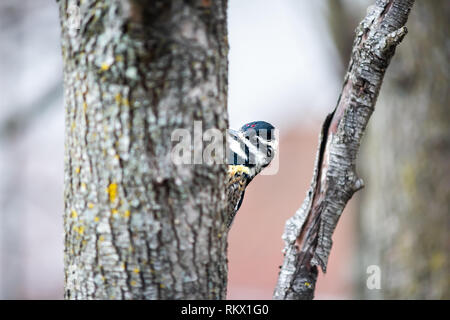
<point>307,234</point>
<point>405,209</point>
<point>136,225</point>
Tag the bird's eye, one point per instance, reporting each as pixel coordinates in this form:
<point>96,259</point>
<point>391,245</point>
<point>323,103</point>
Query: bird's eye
<point>269,152</point>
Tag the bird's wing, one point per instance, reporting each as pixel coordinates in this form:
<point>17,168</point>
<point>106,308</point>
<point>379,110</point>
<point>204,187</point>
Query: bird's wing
<point>238,179</point>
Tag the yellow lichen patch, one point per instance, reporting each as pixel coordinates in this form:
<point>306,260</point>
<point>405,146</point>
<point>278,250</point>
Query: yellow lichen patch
<point>162,286</point>
<point>96,219</point>
<point>127,213</point>
<point>84,107</point>
<point>307,284</point>
<point>119,58</point>
<point>118,98</point>
<point>136,270</point>
<point>101,238</point>
<point>74,214</point>
<point>114,211</point>
<point>73,125</point>
<point>90,205</point>
<point>77,170</point>
<point>79,229</point>
<point>133,283</point>
<point>125,102</point>
<point>105,66</point>
<point>112,191</point>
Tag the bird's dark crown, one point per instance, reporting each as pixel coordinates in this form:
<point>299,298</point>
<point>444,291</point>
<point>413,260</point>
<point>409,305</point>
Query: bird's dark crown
<point>258,126</point>
<point>257,144</point>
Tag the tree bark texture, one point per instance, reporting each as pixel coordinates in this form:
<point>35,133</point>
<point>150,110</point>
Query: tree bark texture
<point>308,233</point>
<point>405,219</point>
<point>136,225</point>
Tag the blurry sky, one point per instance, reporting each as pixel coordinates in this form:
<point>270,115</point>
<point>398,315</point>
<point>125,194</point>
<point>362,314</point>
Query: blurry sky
<point>282,62</point>
<point>31,150</point>
<point>282,70</point>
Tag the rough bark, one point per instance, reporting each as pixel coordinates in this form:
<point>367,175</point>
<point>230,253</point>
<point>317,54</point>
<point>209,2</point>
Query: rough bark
<point>404,218</point>
<point>136,225</point>
<point>308,233</point>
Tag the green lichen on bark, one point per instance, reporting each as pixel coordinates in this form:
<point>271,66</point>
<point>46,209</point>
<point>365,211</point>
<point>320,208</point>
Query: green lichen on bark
<point>136,225</point>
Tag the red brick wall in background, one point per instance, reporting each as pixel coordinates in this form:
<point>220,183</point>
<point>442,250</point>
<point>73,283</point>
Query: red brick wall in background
<point>255,243</point>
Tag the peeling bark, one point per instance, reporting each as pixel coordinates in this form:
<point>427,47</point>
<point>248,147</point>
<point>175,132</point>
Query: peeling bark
<point>136,225</point>
<point>308,233</point>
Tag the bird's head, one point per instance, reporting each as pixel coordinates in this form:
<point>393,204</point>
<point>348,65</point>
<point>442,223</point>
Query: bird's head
<point>253,146</point>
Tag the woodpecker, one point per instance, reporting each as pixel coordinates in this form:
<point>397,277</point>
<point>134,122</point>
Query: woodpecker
<point>251,149</point>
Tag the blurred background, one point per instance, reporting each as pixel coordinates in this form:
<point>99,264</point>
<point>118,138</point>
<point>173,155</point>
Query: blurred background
<point>287,63</point>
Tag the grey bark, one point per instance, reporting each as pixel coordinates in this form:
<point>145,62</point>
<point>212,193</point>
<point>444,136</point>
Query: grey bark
<point>136,225</point>
<point>405,220</point>
<point>308,233</point>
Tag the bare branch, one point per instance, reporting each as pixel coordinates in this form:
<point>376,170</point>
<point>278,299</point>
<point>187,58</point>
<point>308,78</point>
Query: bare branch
<point>308,233</point>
